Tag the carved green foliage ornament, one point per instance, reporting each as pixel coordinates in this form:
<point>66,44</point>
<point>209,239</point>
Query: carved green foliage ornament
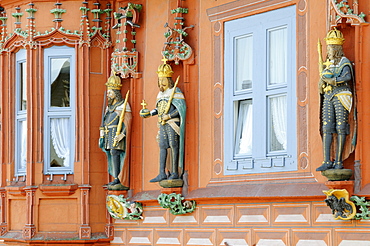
<point>363,206</point>
<point>176,204</point>
<point>119,208</point>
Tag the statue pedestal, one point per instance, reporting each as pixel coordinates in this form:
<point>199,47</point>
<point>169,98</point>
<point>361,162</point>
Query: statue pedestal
<point>118,192</point>
<point>171,183</point>
<point>125,193</point>
<point>337,174</point>
<point>339,185</point>
<point>177,190</point>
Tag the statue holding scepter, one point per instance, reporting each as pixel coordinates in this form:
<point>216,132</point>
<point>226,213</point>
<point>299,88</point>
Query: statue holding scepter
<point>115,133</point>
<point>336,86</point>
<point>171,111</point>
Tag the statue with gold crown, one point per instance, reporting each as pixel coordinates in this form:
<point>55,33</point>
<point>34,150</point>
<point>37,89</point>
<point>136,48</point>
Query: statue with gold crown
<point>171,111</point>
<point>115,134</point>
<point>336,86</point>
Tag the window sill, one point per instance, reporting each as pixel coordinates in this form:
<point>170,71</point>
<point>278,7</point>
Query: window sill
<point>58,189</point>
<point>16,190</point>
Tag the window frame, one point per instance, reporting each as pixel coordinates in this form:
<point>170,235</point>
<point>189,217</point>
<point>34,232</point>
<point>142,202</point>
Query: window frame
<point>261,160</point>
<point>50,112</point>
<point>20,115</point>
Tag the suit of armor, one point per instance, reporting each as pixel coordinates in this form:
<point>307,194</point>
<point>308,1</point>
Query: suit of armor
<point>170,133</point>
<point>115,134</point>
<point>337,103</point>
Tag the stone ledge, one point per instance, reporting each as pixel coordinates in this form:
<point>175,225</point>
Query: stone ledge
<point>58,190</point>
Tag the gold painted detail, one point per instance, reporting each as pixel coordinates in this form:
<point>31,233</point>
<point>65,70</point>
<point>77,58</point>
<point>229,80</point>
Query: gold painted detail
<point>119,208</point>
<point>338,200</point>
<point>334,37</point>
<point>164,70</point>
<point>114,82</point>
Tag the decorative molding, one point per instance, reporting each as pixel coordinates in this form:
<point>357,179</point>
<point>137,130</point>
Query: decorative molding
<point>341,12</point>
<point>58,12</point>
<point>30,228</point>
<point>120,208</point>
<point>363,207</point>
<point>3,212</point>
<point>85,229</point>
<point>15,190</point>
<point>176,204</point>
<point>84,232</point>
<point>338,201</point>
<point>175,48</point>
<point>125,56</point>
<point>59,189</point>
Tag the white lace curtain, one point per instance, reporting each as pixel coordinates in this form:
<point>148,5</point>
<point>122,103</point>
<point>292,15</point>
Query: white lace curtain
<point>244,68</point>
<point>60,138</point>
<point>23,132</point>
<point>279,121</point>
<point>278,56</point>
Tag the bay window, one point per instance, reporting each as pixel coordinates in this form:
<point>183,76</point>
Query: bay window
<point>59,116</point>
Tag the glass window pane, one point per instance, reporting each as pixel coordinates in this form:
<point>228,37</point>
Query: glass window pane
<point>278,123</point>
<point>59,142</point>
<point>278,56</point>
<point>60,82</point>
<point>244,65</point>
<point>23,85</point>
<point>22,145</point>
<point>243,140</point>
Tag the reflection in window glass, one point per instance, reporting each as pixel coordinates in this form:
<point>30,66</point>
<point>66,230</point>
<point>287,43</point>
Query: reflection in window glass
<point>60,82</point>
<point>244,65</point>
<point>243,139</point>
<point>23,86</point>
<point>278,56</point>
<point>278,119</point>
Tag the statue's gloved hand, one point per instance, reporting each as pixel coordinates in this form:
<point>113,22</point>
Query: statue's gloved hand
<point>119,137</point>
<point>101,133</point>
<point>101,142</point>
<point>166,117</point>
<point>330,81</point>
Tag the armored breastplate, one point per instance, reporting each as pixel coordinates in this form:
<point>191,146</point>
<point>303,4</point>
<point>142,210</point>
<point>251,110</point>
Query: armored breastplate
<point>161,107</point>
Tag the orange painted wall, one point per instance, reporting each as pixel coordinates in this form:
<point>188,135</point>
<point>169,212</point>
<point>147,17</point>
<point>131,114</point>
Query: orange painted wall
<point>203,92</point>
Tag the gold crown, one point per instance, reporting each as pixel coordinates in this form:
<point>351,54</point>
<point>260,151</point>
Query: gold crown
<point>334,37</point>
<point>114,82</point>
<point>164,70</point>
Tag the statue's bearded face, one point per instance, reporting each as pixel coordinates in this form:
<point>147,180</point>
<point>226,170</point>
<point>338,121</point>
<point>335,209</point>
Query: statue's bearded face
<point>111,96</point>
<point>163,84</point>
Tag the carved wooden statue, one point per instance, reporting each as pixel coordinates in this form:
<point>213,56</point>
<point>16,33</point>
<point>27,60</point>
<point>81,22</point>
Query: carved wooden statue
<point>171,111</point>
<point>114,134</point>
<point>336,87</point>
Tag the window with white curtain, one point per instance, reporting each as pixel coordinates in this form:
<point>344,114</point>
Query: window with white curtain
<point>21,113</point>
<point>259,93</point>
<point>59,118</point>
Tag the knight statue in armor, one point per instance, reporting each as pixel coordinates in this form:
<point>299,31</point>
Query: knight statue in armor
<point>336,86</point>
<point>115,134</point>
<point>171,111</point>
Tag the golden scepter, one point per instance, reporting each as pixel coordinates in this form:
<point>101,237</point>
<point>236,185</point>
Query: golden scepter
<point>119,127</point>
<point>319,49</point>
<point>170,100</point>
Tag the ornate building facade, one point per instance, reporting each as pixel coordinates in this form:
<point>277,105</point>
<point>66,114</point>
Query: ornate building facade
<point>252,144</point>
